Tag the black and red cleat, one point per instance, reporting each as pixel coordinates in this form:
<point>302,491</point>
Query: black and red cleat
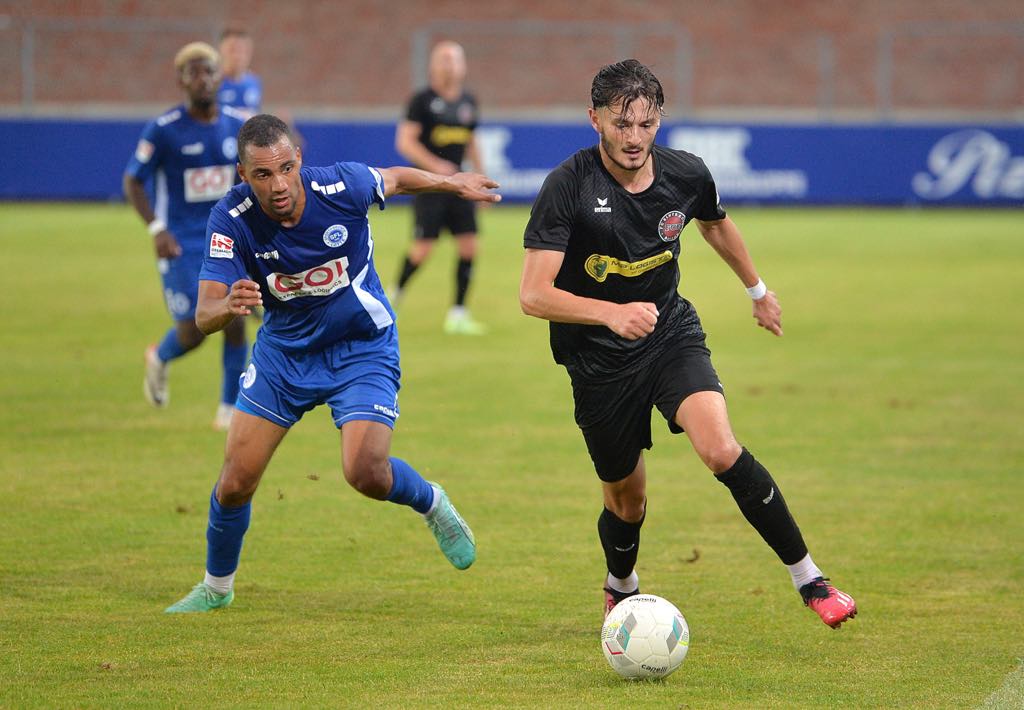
<point>613,597</point>
<point>833,606</point>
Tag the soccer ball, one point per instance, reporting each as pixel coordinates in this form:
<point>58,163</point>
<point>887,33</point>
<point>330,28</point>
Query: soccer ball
<point>645,636</point>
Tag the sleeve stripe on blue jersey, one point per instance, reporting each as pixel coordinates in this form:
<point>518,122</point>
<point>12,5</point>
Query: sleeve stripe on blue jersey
<point>240,207</point>
<point>380,183</point>
<point>328,189</point>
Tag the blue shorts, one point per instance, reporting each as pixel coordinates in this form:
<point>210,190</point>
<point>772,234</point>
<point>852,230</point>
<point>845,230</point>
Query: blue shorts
<point>358,379</point>
<point>180,279</point>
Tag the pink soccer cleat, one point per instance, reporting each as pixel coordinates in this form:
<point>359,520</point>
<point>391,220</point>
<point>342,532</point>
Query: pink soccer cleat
<point>833,606</point>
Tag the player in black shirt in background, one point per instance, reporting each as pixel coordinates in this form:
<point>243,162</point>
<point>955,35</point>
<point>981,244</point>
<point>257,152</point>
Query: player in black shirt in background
<point>437,135</point>
<point>602,249</point>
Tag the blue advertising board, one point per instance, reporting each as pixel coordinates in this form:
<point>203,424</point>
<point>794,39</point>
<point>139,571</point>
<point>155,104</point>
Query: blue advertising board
<point>816,164</point>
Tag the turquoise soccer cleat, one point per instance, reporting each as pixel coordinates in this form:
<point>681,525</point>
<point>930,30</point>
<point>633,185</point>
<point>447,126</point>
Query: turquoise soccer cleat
<point>453,535</point>
<point>201,598</point>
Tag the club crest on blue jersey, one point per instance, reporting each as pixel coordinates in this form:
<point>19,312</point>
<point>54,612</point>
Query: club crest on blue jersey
<point>230,147</point>
<point>336,235</point>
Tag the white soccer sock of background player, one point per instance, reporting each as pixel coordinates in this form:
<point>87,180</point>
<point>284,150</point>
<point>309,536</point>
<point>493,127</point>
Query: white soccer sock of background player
<point>221,585</point>
<point>804,572</point>
<point>627,585</point>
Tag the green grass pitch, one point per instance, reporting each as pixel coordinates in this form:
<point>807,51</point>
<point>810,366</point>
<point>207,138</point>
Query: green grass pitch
<point>890,414</point>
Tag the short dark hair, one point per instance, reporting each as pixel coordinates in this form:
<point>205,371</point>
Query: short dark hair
<point>262,130</point>
<point>627,80</point>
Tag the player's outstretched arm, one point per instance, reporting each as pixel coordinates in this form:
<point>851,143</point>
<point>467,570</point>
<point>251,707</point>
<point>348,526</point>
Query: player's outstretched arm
<point>538,297</point>
<point>218,305</point>
<point>410,181</point>
<point>724,236</point>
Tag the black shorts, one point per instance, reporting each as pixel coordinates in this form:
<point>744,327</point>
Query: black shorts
<point>615,417</point>
<point>434,212</point>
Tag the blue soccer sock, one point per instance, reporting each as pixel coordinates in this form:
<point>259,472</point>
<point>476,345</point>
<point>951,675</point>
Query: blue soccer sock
<point>169,348</point>
<point>224,536</point>
<point>233,359</point>
<point>409,488</point>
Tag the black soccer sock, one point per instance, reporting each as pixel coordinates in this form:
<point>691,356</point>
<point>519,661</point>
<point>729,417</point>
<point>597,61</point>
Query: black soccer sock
<point>762,504</point>
<point>621,542</point>
<point>463,273</point>
<point>408,269</point>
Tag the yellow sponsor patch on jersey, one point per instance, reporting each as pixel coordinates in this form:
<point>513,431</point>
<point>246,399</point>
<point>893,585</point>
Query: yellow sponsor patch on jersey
<point>599,265</point>
<point>450,135</point>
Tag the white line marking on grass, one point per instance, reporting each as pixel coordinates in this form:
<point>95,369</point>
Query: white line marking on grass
<point>1011,693</point>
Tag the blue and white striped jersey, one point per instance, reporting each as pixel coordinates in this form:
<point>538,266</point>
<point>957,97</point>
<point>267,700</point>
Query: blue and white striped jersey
<point>318,280</point>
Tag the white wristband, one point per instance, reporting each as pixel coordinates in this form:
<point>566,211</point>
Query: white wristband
<point>156,226</point>
<point>758,290</point>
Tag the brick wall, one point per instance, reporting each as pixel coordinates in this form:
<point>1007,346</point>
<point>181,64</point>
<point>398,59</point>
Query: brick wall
<point>741,57</point>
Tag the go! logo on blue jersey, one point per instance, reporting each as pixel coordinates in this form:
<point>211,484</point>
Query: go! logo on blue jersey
<point>321,280</point>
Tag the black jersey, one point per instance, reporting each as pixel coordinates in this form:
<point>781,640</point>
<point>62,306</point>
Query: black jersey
<point>447,125</point>
<point>620,247</point>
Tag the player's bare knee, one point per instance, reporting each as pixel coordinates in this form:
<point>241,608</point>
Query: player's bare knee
<point>627,505</point>
<point>189,335</point>
<point>370,476</point>
<point>233,492</point>
<point>720,456</point>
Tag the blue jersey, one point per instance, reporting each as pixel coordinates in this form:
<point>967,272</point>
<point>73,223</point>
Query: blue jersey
<point>318,280</point>
<point>244,94</point>
<point>192,165</point>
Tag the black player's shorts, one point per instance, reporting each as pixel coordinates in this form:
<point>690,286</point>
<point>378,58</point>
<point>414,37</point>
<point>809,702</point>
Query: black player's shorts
<point>615,417</point>
<point>434,212</point>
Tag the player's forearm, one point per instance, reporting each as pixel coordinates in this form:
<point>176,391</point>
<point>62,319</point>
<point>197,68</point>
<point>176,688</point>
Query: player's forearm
<point>410,181</point>
<point>135,193</point>
<point>473,155</point>
<point>725,238</point>
<point>212,315</point>
<point>554,304</point>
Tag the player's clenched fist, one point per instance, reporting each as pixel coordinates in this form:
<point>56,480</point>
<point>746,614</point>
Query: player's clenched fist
<point>633,320</point>
<point>243,297</point>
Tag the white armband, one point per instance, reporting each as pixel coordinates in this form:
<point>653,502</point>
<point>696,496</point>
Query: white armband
<point>757,291</point>
<point>156,226</point>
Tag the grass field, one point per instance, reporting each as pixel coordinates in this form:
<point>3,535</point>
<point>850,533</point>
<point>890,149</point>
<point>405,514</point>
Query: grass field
<point>890,413</point>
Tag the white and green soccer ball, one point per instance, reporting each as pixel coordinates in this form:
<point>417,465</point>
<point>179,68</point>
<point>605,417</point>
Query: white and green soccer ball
<point>645,636</point>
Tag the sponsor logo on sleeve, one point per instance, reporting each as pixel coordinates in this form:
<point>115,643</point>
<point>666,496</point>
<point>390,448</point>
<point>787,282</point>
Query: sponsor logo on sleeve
<point>221,246</point>
<point>144,151</point>
<point>321,280</point>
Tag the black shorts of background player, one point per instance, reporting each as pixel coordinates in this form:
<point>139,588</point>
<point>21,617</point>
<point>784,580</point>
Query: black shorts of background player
<point>438,135</point>
<point>602,266</point>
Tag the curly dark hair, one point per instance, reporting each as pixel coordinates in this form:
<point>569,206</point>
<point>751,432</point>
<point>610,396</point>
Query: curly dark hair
<point>261,131</point>
<point>627,80</point>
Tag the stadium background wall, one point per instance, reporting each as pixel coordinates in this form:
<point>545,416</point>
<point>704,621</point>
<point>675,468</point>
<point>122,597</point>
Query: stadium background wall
<point>837,102</point>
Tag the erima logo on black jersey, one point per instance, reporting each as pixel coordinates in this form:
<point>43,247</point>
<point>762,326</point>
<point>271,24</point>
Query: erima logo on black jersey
<point>602,205</point>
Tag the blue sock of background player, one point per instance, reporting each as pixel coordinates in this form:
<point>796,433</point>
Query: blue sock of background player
<point>170,348</point>
<point>233,359</point>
